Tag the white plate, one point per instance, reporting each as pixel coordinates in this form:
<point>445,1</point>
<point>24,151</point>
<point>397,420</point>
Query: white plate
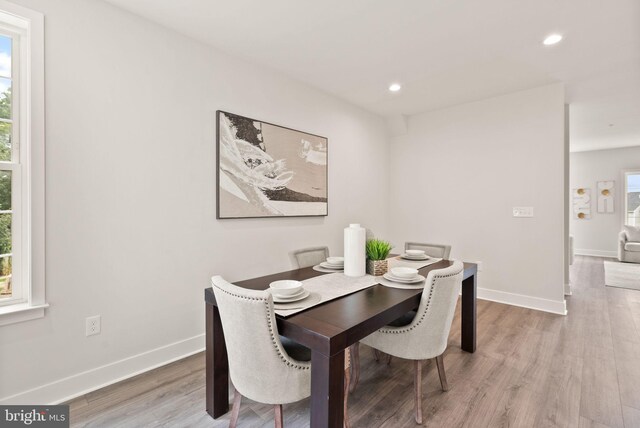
<point>408,257</point>
<point>415,280</point>
<point>291,296</point>
<point>334,265</point>
<point>392,277</point>
<point>403,272</point>
<point>291,299</point>
<point>330,266</point>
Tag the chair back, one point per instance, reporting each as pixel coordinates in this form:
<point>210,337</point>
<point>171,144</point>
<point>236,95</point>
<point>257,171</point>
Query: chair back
<point>426,336</point>
<point>437,306</point>
<point>259,367</point>
<point>311,256</point>
<point>434,250</point>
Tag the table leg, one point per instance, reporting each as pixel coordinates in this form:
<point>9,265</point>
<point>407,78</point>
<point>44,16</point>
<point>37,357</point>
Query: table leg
<point>468,316</point>
<point>217,365</point>
<point>327,390</point>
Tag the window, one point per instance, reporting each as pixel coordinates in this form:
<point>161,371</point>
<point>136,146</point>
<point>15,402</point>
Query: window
<point>10,191</point>
<point>632,198</point>
<point>21,164</point>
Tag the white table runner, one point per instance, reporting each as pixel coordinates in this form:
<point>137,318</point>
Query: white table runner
<point>416,264</point>
<point>324,288</point>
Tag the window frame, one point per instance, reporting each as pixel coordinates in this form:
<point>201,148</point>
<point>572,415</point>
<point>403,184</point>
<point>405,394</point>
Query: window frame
<point>18,277</point>
<point>625,173</point>
<point>26,26</point>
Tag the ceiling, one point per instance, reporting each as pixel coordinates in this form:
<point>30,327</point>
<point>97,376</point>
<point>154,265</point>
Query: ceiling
<point>443,52</point>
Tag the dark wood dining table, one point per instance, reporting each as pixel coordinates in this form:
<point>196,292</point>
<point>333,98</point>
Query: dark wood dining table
<point>328,329</point>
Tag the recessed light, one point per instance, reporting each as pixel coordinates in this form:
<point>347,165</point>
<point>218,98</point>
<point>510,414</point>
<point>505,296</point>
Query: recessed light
<point>552,39</point>
<point>395,87</point>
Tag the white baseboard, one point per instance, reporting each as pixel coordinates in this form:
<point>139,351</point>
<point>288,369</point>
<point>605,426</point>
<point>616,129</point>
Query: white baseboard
<point>545,305</point>
<point>82,383</point>
<point>596,253</point>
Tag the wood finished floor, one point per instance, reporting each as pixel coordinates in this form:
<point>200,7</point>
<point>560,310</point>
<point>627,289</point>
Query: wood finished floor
<point>532,369</point>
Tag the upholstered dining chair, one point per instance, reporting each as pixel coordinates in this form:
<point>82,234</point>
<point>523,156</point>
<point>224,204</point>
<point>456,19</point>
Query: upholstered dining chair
<point>425,336</point>
<point>263,366</point>
<point>434,250</point>
<point>311,256</point>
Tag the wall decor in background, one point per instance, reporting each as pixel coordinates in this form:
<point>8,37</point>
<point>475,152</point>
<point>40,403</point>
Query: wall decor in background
<point>581,203</point>
<point>266,170</point>
<point>606,196</point>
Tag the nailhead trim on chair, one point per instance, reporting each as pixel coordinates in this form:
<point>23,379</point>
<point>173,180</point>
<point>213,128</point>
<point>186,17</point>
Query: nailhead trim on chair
<point>424,313</point>
<point>271,332</point>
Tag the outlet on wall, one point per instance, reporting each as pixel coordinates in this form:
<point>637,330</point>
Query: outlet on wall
<point>92,325</point>
<point>523,211</point>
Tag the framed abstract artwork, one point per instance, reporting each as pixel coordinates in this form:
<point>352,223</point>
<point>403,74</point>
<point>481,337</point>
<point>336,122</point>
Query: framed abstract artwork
<point>267,170</point>
<point>606,194</point>
<point>581,203</point>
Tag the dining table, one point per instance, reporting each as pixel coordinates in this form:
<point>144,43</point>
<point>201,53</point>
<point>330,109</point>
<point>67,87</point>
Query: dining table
<point>328,330</point>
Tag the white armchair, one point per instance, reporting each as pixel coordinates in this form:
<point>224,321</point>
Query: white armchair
<point>629,244</point>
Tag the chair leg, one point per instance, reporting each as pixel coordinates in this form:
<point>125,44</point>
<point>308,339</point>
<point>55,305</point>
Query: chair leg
<point>347,381</point>
<point>389,357</point>
<point>278,416</point>
<point>235,410</point>
<point>418,390</point>
<point>355,366</point>
<point>376,354</point>
<point>441,373</point>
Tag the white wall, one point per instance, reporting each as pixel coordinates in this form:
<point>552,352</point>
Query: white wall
<point>599,235</point>
<point>131,228</point>
<point>457,174</point>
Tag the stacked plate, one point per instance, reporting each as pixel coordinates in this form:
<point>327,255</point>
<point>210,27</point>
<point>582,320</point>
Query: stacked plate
<point>404,275</point>
<point>287,291</point>
<point>415,255</point>
<point>333,263</point>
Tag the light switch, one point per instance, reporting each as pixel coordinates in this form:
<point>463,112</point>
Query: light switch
<point>523,211</point>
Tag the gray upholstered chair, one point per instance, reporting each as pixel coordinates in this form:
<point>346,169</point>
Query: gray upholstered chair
<point>425,336</point>
<point>434,250</point>
<point>263,366</point>
<point>311,256</point>
<point>629,244</point>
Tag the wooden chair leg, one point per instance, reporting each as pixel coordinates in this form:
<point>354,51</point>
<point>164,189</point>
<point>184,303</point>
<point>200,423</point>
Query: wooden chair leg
<point>235,410</point>
<point>441,373</point>
<point>418,390</point>
<point>389,357</point>
<point>355,366</point>
<point>347,381</point>
<point>376,354</point>
<point>278,416</point>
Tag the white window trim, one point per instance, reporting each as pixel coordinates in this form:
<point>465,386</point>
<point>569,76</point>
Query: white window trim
<point>626,172</point>
<point>32,151</point>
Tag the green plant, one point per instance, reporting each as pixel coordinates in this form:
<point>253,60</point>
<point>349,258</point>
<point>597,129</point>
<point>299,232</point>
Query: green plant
<point>377,249</point>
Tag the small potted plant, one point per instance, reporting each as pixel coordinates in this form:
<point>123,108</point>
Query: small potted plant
<point>377,252</point>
